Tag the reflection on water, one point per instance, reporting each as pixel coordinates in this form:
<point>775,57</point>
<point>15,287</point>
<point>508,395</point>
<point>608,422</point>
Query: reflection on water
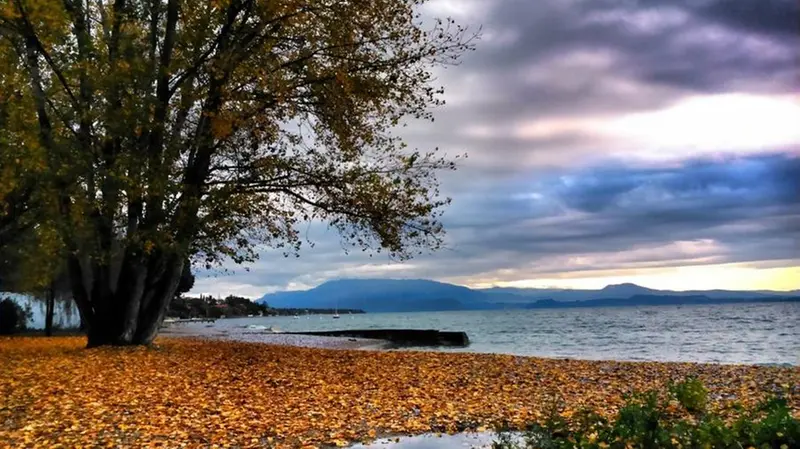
<point>434,441</point>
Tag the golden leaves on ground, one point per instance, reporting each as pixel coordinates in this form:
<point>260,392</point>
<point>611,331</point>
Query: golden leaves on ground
<point>198,393</point>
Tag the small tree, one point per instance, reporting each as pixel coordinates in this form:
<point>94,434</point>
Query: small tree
<point>29,248</point>
<point>159,130</point>
<point>13,317</point>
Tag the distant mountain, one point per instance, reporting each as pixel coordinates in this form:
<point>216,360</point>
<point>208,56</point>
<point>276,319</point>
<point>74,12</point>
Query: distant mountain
<point>620,291</point>
<point>383,295</point>
<point>418,295</point>
<point>528,294</point>
<point>654,300</point>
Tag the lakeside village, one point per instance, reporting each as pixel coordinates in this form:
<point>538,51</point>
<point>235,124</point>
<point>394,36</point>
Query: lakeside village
<point>208,307</point>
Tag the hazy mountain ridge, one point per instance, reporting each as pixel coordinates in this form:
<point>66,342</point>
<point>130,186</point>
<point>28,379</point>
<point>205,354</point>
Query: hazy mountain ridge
<point>655,300</point>
<point>625,291</point>
<point>418,295</point>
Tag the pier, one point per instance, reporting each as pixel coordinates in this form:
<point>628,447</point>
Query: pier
<point>401,337</point>
<point>169,321</point>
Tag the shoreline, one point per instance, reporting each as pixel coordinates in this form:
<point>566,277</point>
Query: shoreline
<point>258,335</point>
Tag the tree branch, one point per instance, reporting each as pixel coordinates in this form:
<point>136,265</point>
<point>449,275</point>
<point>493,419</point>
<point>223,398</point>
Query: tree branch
<point>81,30</point>
<point>30,34</point>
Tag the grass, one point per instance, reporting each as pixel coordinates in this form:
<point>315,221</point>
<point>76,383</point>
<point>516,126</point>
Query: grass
<point>678,419</point>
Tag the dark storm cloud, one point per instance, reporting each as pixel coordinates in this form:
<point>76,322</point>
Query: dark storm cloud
<point>616,208</point>
<point>650,36</point>
<point>738,186</point>
<point>552,59</point>
<point>710,46</point>
<point>526,203</point>
<point>772,17</point>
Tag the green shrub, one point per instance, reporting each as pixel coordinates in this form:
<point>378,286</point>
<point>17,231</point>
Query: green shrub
<point>644,422</point>
<point>13,318</point>
<point>691,394</point>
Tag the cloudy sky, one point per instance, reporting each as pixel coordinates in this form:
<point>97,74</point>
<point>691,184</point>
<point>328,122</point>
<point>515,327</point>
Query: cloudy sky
<point>646,141</point>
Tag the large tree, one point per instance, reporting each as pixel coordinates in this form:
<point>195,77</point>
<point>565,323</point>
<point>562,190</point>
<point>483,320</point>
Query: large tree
<point>158,130</point>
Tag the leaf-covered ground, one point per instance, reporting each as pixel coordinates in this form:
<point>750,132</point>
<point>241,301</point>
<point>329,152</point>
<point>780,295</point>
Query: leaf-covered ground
<point>200,393</point>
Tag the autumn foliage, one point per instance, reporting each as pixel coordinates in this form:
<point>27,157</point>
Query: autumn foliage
<point>196,393</point>
<point>135,134</point>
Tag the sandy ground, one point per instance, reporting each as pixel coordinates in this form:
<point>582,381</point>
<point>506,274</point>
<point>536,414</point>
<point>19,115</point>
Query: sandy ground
<point>250,335</point>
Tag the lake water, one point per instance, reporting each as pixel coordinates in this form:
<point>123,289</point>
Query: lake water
<point>740,333</point>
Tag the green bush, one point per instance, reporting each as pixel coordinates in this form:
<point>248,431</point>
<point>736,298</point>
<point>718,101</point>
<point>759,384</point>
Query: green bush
<point>691,394</point>
<point>13,318</point>
<point>644,422</point>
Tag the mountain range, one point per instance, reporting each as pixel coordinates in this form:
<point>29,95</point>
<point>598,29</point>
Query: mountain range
<point>421,295</point>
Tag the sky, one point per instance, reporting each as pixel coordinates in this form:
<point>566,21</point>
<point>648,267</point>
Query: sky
<point>646,141</point>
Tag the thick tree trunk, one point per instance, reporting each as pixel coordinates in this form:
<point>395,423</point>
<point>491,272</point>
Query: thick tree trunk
<point>99,333</point>
<point>109,330</point>
<point>132,312</point>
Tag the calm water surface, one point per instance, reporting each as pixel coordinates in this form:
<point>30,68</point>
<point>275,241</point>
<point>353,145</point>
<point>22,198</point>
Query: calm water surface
<point>749,333</point>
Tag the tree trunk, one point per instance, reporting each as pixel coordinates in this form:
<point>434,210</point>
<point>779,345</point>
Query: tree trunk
<point>132,312</point>
<point>49,311</point>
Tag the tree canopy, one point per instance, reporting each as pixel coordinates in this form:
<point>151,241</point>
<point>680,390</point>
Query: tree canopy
<point>143,132</point>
